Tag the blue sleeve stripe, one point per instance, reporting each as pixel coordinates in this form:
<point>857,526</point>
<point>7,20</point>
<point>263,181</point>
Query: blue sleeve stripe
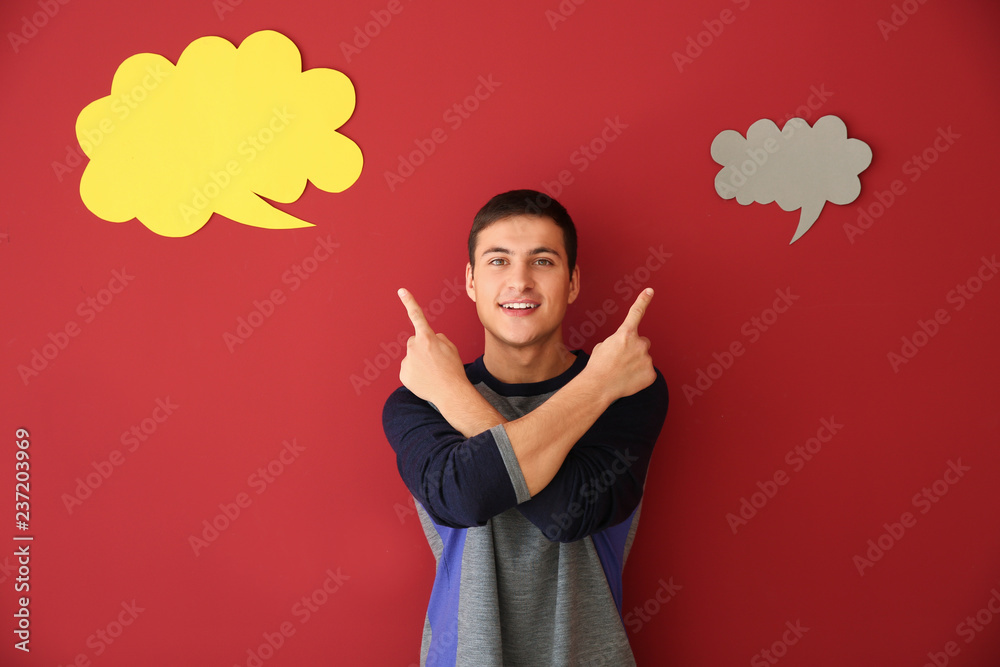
<point>610,546</point>
<point>442,611</point>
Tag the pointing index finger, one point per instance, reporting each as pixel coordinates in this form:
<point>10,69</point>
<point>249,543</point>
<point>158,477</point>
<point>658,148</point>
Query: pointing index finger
<point>416,314</point>
<point>638,309</point>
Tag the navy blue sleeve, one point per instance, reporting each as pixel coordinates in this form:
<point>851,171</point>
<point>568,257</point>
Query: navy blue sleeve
<point>461,482</point>
<point>601,480</point>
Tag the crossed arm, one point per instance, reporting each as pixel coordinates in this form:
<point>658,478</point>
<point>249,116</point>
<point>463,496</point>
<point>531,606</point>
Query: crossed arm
<point>620,366</point>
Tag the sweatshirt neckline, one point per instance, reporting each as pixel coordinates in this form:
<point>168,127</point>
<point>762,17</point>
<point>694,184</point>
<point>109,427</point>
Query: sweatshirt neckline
<point>480,374</point>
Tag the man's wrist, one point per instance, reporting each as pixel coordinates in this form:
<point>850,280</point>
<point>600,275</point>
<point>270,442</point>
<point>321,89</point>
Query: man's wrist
<point>466,410</point>
<point>594,384</point>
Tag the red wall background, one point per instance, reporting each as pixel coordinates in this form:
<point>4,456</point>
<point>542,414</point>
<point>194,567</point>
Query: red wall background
<point>316,372</point>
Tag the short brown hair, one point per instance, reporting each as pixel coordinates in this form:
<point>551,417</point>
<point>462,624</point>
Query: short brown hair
<point>524,202</point>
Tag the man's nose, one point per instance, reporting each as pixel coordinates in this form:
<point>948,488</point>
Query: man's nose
<point>521,277</point>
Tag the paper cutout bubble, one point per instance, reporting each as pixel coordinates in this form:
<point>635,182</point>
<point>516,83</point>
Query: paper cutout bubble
<point>226,126</point>
<point>799,166</point>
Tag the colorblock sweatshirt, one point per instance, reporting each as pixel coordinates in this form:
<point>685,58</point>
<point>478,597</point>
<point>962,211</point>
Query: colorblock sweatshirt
<point>521,579</point>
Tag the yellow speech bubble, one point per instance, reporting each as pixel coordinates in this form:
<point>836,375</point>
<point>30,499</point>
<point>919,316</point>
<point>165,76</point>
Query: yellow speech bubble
<point>217,132</point>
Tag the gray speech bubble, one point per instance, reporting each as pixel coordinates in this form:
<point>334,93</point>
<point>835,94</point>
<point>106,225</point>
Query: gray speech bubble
<point>799,166</point>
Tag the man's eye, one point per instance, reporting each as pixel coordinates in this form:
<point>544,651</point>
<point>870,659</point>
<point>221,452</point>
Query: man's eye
<point>546,262</point>
<point>497,261</point>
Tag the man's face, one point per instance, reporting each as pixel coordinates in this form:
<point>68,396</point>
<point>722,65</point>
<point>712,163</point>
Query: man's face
<point>521,281</point>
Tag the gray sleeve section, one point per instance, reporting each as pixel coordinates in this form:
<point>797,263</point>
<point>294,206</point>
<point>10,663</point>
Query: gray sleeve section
<point>425,644</point>
<point>510,461</point>
<point>430,531</point>
<point>631,532</point>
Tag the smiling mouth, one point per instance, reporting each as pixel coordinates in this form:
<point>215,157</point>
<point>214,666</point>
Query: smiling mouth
<point>519,306</point>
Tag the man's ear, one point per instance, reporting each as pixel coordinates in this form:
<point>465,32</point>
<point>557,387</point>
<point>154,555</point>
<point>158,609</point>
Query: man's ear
<point>470,282</point>
<point>574,284</point>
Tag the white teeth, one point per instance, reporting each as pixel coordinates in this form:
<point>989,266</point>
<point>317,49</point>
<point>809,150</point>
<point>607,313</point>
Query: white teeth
<point>519,306</point>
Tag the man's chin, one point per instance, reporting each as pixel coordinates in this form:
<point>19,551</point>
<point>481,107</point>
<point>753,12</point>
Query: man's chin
<point>522,340</point>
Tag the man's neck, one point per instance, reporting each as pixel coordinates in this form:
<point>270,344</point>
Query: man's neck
<point>535,363</point>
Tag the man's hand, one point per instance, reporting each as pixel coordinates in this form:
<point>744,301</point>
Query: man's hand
<point>432,369</point>
<point>622,362</point>
<point>432,364</point>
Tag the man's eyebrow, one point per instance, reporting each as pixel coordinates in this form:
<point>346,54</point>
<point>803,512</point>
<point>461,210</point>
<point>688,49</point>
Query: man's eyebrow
<point>499,249</point>
<point>541,250</point>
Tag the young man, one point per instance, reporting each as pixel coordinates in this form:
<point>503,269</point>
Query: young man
<point>528,464</point>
